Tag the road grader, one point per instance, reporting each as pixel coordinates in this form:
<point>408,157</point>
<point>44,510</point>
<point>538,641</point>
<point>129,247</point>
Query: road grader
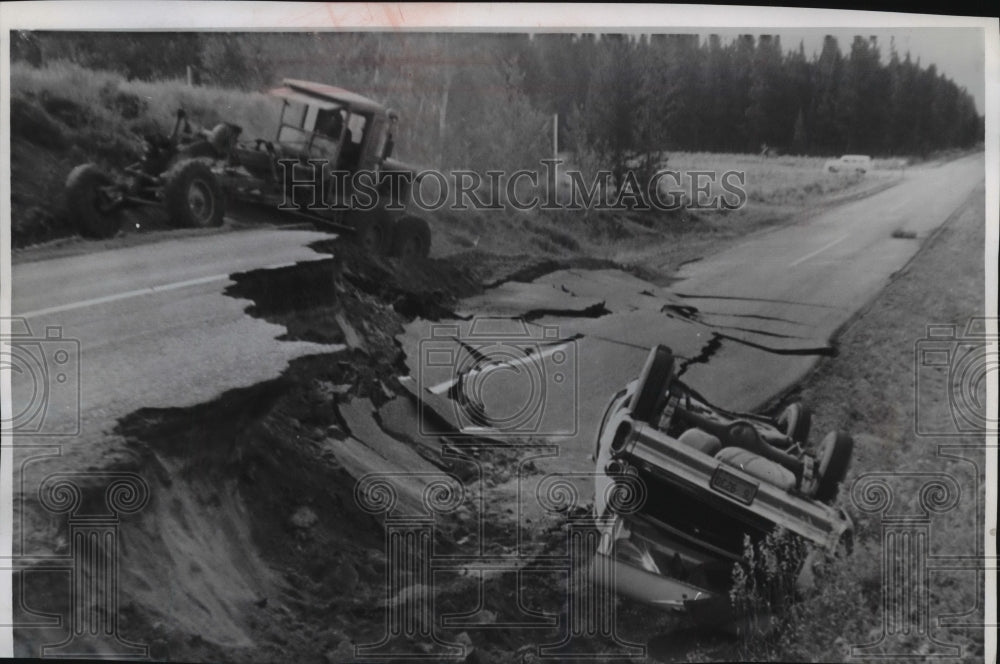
<point>325,135</point>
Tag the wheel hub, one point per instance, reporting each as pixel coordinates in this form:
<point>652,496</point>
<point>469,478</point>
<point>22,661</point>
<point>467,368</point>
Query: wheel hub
<point>200,200</point>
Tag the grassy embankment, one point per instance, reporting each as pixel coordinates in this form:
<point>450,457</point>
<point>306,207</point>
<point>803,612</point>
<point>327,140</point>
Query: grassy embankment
<point>871,387</point>
<point>63,115</point>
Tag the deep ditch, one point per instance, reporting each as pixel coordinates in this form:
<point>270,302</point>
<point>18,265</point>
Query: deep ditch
<point>252,547</point>
<point>254,520</point>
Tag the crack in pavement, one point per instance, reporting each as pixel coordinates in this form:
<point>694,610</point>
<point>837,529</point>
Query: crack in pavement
<point>593,311</point>
<point>536,271</point>
<point>777,319</point>
<point>754,330</point>
<point>695,296</point>
<point>472,351</point>
<point>707,351</point>
<point>714,345</point>
<point>750,330</point>
<point>829,350</point>
<point>683,310</point>
<point>692,314</point>
<point>692,311</point>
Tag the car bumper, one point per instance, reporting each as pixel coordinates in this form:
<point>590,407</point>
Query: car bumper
<point>644,586</point>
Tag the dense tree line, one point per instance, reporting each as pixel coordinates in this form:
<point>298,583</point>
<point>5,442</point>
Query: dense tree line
<point>678,92</point>
<point>486,101</point>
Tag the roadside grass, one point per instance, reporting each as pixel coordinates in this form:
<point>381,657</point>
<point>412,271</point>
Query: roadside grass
<point>871,390</point>
<point>769,180</point>
<point>63,115</point>
<point>108,99</point>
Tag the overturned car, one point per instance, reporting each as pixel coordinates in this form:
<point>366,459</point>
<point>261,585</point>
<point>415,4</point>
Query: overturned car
<point>709,479</point>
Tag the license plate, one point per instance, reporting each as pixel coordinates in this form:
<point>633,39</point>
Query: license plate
<point>735,487</point>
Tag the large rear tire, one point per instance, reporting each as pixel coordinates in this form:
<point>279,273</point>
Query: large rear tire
<point>833,456</point>
<point>193,196</point>
<point>412,238</point>
<point>95,214</point>
<point>652,385</point>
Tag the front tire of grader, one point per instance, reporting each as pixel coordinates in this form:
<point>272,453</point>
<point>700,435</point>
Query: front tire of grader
<point>412,238</point>
<point>95,214</point>
<point>193,196</point>
<point>373,232</point>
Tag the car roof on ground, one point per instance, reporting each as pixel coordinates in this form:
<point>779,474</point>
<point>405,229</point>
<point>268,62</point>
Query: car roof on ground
<point>321,91</point>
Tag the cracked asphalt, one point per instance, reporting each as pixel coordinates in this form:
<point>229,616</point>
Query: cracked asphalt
<point>167,327</point>
<point>747,323</point>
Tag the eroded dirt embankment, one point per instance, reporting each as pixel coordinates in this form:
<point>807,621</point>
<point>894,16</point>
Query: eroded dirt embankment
<point>254,520</point>
<point>253,546</point>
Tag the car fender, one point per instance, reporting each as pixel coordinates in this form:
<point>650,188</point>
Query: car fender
<point>618,415</point>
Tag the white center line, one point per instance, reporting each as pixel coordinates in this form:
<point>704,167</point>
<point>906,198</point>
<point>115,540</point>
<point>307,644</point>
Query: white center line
<point>149,290</point>
<point>820,250</point>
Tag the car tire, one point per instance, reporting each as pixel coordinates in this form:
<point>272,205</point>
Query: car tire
<point>193,196</point>
<point>94,217</point>
<point>833,456</point>
<point>411,238</point>
<point>795,422</point>
<point>653,382</point>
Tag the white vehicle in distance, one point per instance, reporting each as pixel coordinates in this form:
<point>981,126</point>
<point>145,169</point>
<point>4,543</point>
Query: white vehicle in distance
<point>859,163</point>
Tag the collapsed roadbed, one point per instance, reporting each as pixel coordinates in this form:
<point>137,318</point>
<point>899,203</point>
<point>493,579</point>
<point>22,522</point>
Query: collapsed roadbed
<point>263,508</point>
<point>254,512</point>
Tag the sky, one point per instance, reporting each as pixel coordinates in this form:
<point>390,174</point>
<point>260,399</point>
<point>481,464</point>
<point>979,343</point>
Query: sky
<point>958,53</point>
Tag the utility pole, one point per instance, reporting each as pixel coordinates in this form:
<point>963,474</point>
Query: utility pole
<point>555,136</point>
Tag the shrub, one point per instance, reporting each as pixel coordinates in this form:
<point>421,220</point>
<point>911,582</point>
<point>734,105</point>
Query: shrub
<point>29,120</point>
<point>764,584</point>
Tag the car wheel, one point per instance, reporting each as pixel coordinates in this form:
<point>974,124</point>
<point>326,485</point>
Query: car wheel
<point>833,456</point>
<point>652,385</point>
<point>95,212</point>
<point>193,196</point>
<point>795,421</point>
